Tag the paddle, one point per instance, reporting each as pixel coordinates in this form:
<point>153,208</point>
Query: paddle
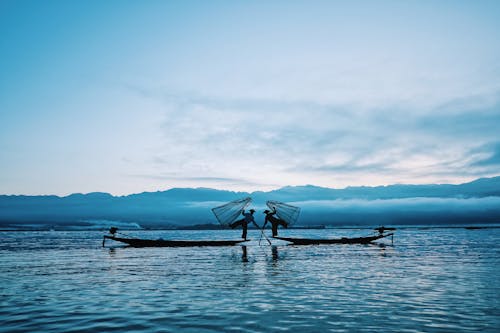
<point>263,234</point>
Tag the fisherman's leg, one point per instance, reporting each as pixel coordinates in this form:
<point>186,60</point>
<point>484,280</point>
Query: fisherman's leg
<point>275,229</point>
<point>244,233</point>
<point>236,223</point>
<point>283,223</point>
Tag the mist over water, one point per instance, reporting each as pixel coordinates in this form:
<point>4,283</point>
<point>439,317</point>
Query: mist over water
<point>429,280</point>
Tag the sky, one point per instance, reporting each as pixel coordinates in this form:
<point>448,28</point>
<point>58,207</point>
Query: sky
<point>132,96</point>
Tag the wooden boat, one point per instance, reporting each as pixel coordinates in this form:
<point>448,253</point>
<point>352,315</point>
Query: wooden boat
<point>137,242</point>
<point>343,240</point>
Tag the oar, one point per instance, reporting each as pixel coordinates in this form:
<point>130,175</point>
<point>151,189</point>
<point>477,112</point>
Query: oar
<point>263,234</point>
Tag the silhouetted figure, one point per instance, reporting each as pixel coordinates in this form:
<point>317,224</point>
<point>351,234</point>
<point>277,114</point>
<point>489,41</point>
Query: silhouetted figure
<point>382,229</point>
<point>248,217</point>
<point>275,222</point>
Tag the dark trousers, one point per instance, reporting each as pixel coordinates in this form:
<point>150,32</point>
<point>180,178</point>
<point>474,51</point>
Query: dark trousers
<point>274,226</point>
<point>244,231</point>
<point>244,226</point>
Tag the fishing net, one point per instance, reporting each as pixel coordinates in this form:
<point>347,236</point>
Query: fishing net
<point>228,213</point>
<point>286,212</point>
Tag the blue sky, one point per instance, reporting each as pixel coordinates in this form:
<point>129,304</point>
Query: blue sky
<point>132,96</point>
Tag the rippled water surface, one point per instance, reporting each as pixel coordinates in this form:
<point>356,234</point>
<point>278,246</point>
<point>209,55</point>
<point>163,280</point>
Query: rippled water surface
<point>429,280</point>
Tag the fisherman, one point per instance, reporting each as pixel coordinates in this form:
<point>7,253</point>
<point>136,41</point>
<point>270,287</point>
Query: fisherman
<point>248,217</point>
<point>382,229</point>
<point>275,222</point>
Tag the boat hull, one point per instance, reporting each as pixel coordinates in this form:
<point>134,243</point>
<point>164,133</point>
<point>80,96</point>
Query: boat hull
<point>344,240</point>
<point>137,242</point>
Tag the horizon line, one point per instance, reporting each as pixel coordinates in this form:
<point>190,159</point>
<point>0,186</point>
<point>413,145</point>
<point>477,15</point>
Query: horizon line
<point>246,192</point>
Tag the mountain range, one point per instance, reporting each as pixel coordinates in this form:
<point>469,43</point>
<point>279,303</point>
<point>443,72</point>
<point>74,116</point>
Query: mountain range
<point>474,202</point>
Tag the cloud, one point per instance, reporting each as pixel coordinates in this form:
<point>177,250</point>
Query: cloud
<point>214,182</point>
<point>492,160</point>
<point>420,203</point>
<point>400,211</point>
<point>292,141</point>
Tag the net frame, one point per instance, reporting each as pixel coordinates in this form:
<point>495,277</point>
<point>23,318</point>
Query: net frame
<point>229,212</point>
<point>286,212</point>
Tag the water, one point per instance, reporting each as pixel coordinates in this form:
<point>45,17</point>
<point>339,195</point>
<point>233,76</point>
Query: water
<point>429,280</point>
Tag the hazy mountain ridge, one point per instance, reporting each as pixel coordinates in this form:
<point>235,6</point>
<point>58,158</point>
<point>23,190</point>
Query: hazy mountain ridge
<point>188,206</point>
<point>483,187</point>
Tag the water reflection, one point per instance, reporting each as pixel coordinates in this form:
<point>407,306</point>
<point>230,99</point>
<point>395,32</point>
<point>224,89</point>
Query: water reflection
<point>244,256</point>
<point>384,248</point>
<point>436,281</point>
<point>274,251</point>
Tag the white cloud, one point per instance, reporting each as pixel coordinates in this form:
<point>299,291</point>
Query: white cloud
<point>270,143</point>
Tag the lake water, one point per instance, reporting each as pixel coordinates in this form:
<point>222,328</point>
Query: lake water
<point>429,280</point>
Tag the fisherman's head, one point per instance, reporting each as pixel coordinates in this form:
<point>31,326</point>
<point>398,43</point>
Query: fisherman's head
<point>266,211</point>
<point>252,211</point>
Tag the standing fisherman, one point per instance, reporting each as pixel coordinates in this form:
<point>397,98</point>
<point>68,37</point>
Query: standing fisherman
<point>248,217</point>
<point>270,217</point>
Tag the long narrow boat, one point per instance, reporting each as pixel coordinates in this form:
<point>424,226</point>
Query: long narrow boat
<point>137,242</point>
<point>343,240</point>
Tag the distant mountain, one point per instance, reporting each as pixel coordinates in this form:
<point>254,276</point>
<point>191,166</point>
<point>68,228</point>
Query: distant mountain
<point>480,188</point>
<point>477,201</point>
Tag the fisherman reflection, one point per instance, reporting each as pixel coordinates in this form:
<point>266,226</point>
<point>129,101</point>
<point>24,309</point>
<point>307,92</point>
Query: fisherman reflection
<point>248,218</point>
<point>274,251</point>
<point>244,257</point>
<point>275,222</point>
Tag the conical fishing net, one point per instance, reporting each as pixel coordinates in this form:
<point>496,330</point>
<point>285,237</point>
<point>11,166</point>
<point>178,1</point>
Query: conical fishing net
<point>286,212</point>
<point>228,213</point>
